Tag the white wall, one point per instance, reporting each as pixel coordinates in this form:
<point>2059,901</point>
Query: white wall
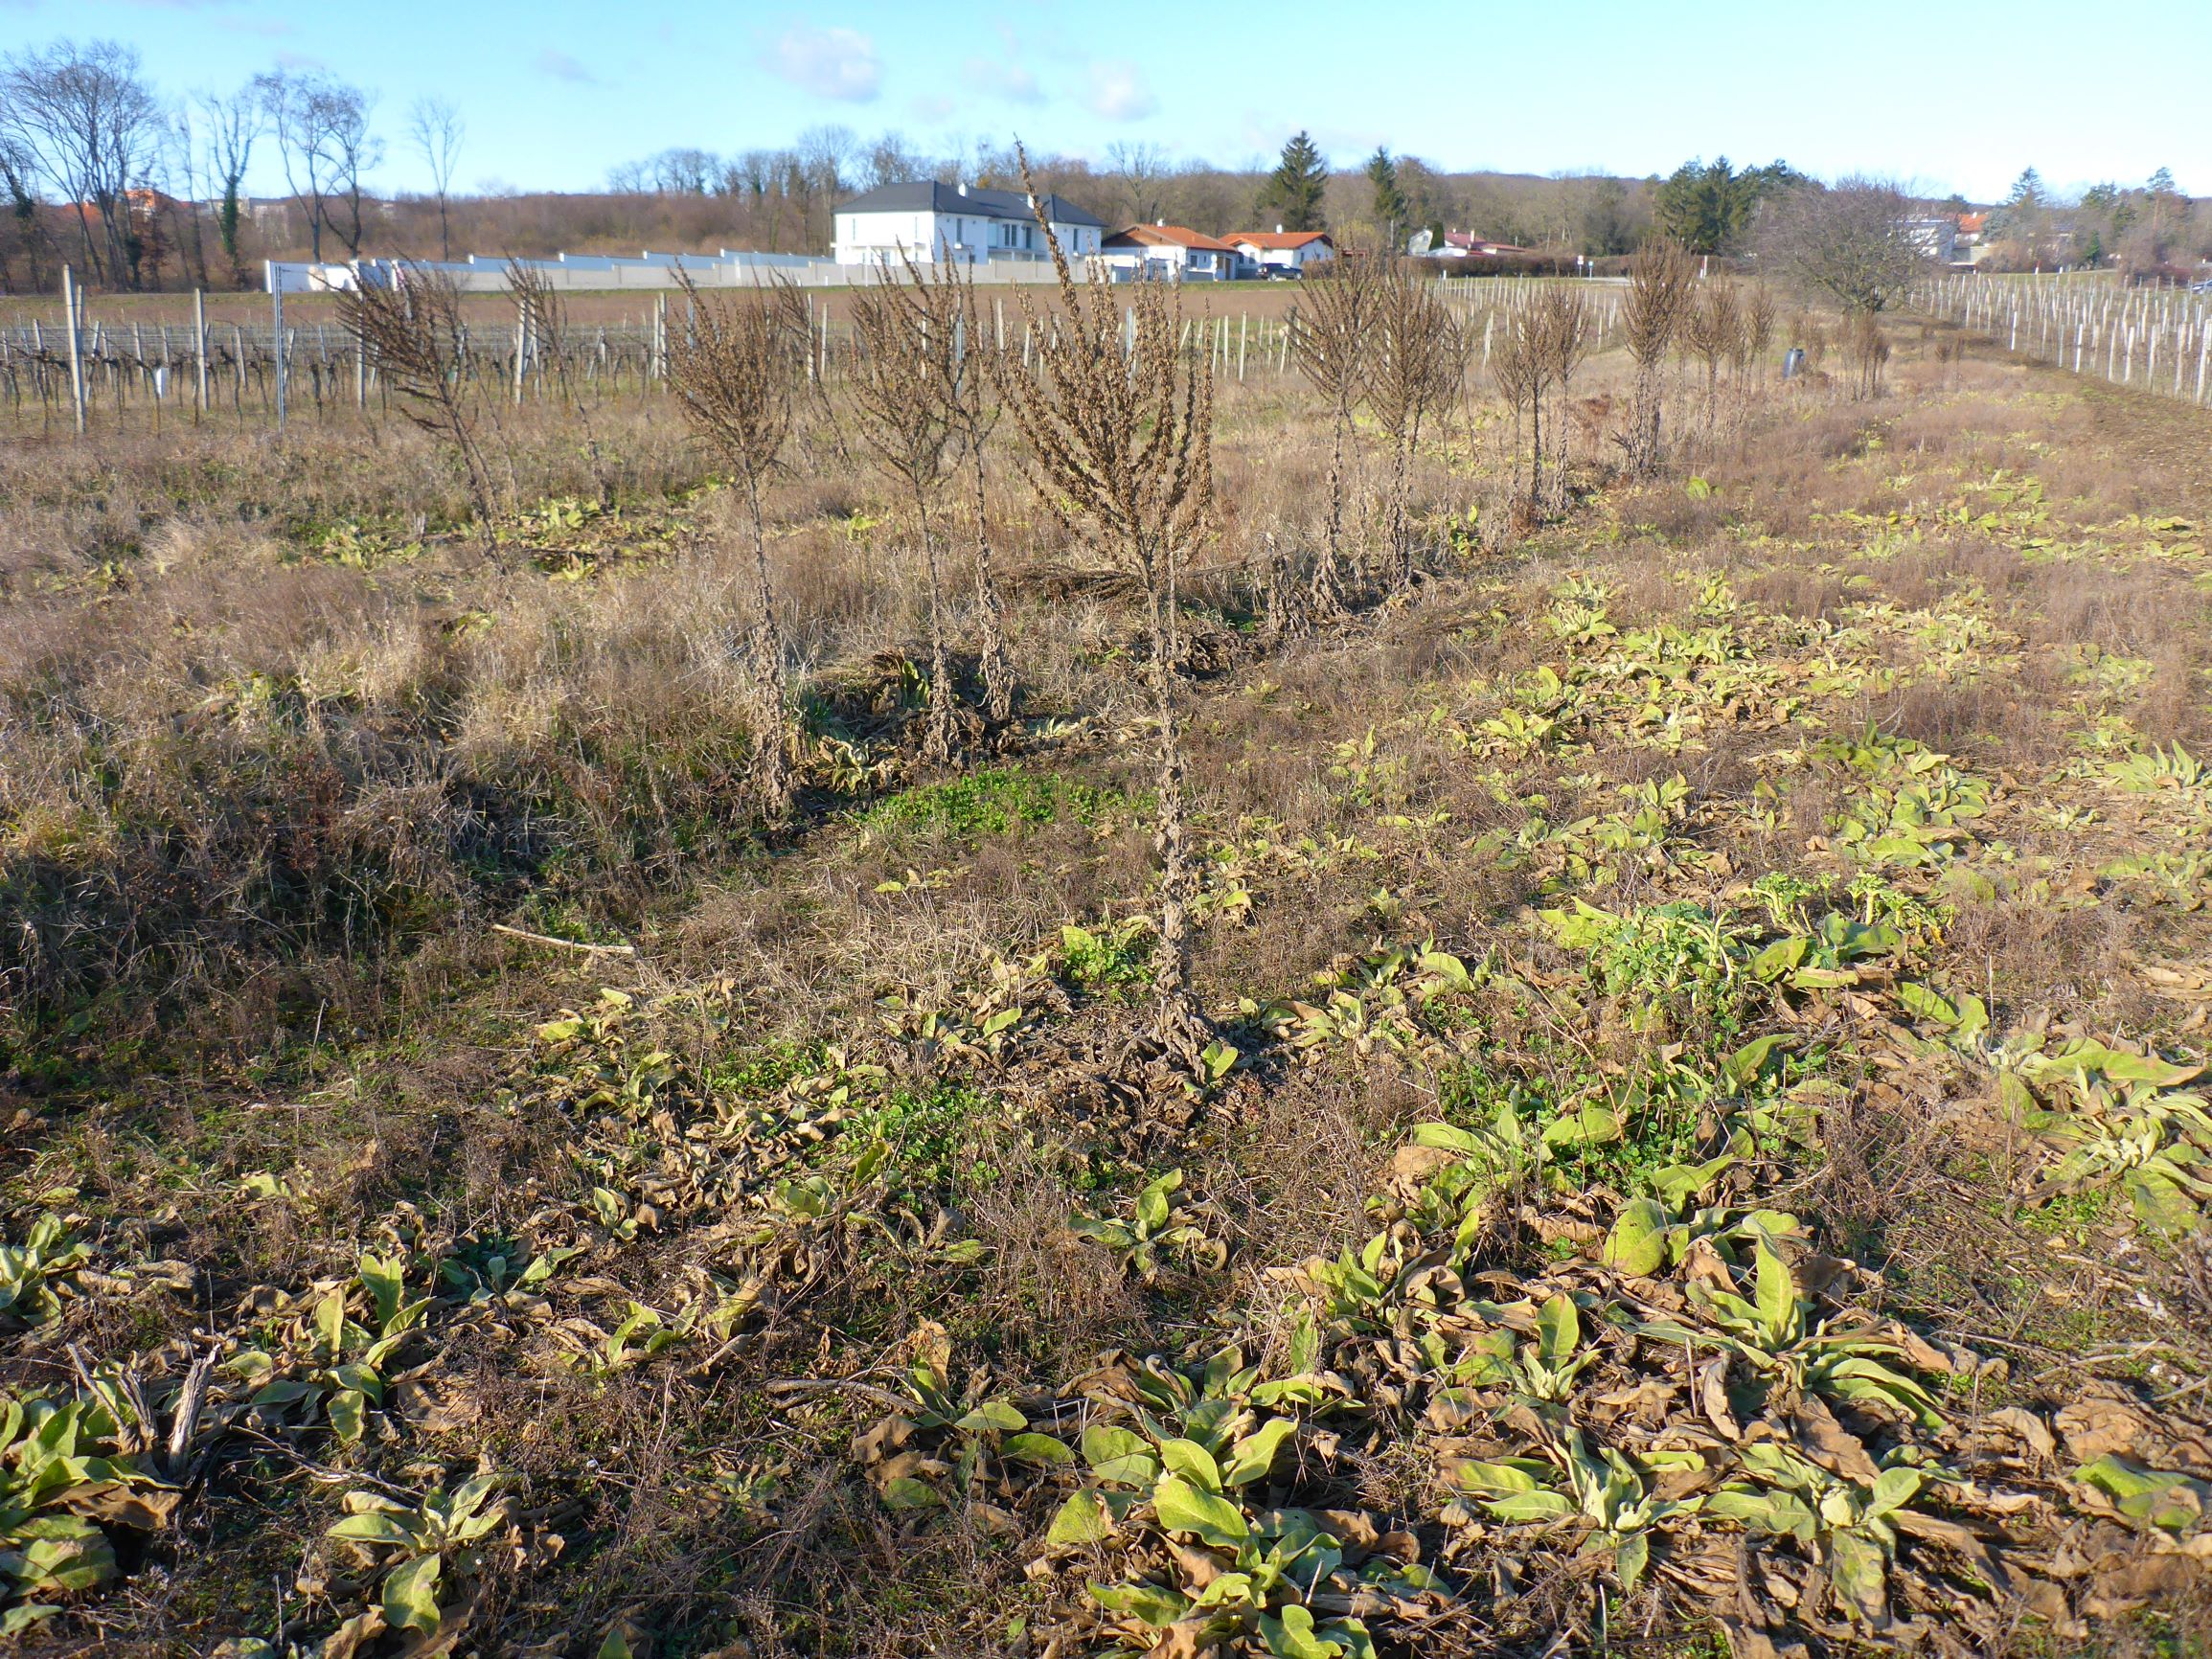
<point>864,239</point>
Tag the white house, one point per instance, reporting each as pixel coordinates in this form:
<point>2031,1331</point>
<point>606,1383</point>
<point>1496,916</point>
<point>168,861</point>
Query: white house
<point>926,221</point>
<point>1282,252</point>
<point>1174,253</point>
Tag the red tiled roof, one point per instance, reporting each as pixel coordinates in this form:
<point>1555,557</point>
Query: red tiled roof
<point>1279,239</point>
<point>1178,235</point>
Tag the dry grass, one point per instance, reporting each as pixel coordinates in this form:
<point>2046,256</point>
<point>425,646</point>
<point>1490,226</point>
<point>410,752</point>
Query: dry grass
<point>273,759</point>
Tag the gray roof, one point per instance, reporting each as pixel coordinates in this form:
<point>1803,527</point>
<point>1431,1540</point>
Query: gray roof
<point>927,195</point>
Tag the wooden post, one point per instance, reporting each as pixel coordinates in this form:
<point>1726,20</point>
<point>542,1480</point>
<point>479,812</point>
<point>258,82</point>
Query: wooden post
<point>199,351</point>
<point>69,311</point>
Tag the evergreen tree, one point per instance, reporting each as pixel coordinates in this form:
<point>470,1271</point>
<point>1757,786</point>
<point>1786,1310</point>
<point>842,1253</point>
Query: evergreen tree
<point>1293,190</point>
<point>1708,208</point>
<point>1392,210</point>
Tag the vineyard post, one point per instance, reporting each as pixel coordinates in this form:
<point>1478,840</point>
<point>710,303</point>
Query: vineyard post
<point>199,351</point>
<point>277,340</point>
<point>69,308</point>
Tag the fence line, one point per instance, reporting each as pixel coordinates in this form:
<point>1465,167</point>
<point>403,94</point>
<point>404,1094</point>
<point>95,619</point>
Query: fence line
<point>2159,339</point>
<point>102,374</point>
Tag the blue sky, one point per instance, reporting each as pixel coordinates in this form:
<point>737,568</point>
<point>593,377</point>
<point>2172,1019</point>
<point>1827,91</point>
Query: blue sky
<point>1947,96</point>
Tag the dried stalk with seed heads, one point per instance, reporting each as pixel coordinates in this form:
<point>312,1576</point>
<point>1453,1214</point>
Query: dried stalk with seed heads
<point>1662,281</point>
<point>1118,433</point>
<point>1330,343</point>
<point>1562,334</point>
<point>974,417</point>
<point>734,368</point>
<point>1415,363</point>
<point>410,330</point>
<point>907,346</point>
<point>1709,329</point>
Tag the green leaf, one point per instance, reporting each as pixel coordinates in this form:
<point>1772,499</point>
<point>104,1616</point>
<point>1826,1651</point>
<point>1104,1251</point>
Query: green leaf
<point>1217,1058</point>
<point>331,1322</point>
<point>16,1620</point>
<point>411,1596</point>
<point>1182,1508</point>
<point>1593,1125</point>
<point>347,1409</point>
<point>1559,1330</point>
<point>386,1284</point>
<point>1154,1205</point>
<point>993,1414</point>
<point>1192,1461</point>
<point>1927,1003</point>
<point>1678,1183</point>
<point>1119,1456</point>
<point>1630,1559</point>
<point>1081,1520</point>
<point>1777,1296</point>
<point>1637,1243</point>
<point>616,1644</point>
<point>1291,1636</point>
<point>1254,1454</point>
<point>1036,1448</point>
<point>906,1492</point>
<point>1743,1067</point>
<point>375,1528</point>
<point>1536,1505</point>
<point>1893,1490</point>
<point>1148,1604</point>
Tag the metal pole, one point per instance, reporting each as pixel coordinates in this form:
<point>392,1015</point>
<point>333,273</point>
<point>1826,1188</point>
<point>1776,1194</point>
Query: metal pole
<point>277,345</point>
<point>69,308</point>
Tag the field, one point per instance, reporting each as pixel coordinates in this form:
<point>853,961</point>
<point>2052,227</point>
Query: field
<point>1697,1144</point>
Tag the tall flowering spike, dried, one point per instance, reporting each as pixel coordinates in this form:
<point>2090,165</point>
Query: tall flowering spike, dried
<point>1116,421</point>
<point>908,335</point>
<point>1415,364</point>
<point>1331,342</point>
<point>734,366</point>
<point>1661,280</point>
<point>410,330</point>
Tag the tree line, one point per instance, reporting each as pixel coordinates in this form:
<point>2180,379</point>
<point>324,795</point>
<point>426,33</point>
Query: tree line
<point>141,191</point>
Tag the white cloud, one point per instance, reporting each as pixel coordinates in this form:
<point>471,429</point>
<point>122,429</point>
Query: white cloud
<point>562,67</point>
<point>828,62</point>
<point>1119,92</point>
<point>932,108</point>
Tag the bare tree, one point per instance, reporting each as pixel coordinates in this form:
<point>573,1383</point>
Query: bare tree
<point>733,368</point>
<point>82,120</point>
<point>435,129</point>
<point>1662,281</point>
<point>321,125</point>
<point>19,181</point>
<point>1140,170</point>
<point>907,333</point>
<point>229,124</point>
<point>1852,242</point>
<point>1117,430</point>
<point>1330,342</point>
